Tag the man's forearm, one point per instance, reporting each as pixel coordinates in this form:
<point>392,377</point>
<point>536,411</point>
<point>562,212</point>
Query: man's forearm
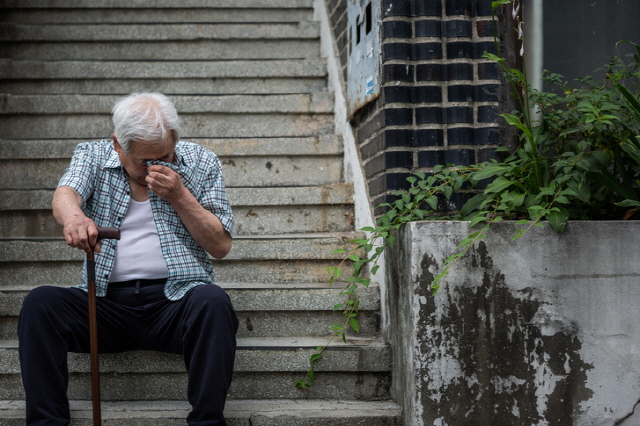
<point>204,226</point>
<point>79,230</point>
<point>66,205</point>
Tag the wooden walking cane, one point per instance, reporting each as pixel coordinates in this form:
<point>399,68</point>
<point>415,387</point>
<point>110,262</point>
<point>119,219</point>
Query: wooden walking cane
<point>103,234</point>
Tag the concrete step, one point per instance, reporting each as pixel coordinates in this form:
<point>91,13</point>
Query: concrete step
<point>264,310</point>
<point>292,259</point>
<point>264,368</point>
<point>277,247</point>
<point>193,126</point>
<point>273,76</point>
<point>336,194</point>
<point>157,16</point>
<point>253,221</point>
<point>257,211</point>
<point>169,86</point>
<point>17,32</point>
<point>245,297</point>
<point>115,70</point>
<point>240,171</point>
<point>323,144</point>
<point>159,4</point>
<point>237,412</point>
<point>196,50</point>
<point>321,102</point>
<point>286,271</point>
<point>270,324</point>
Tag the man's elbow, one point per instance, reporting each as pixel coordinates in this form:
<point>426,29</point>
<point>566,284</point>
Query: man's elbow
<point>222,249</point>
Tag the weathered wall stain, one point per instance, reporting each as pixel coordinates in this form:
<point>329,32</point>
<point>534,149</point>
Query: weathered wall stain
<point>483,360</point>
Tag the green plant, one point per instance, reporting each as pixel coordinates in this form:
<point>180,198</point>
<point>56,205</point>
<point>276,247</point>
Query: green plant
<point>578,158</point>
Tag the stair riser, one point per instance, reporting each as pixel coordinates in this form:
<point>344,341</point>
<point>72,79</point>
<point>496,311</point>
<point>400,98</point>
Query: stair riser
<point>158,4</point>
<point>238,171</point>
<point>174,419</point>
<point>279,272</point>
<point>119,70</point>
<point>234,104</point>
<point>249,221</point>
<point>337,194</point>
<point>193,126</point>
<point>205,50</point>
<point>121,16</point>
<point>168,86</point>
<point>268,324</point>
<point>248,300</point>
<point>16,32</point>
<point>124,387</point>
<point>324,144</point>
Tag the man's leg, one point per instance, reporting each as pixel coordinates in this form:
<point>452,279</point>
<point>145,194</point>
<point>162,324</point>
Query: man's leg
<point>54,321</point>
<point>203,327</point>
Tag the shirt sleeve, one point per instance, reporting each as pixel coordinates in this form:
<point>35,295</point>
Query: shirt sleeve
<point>214,195</point>
<point>80,174</point>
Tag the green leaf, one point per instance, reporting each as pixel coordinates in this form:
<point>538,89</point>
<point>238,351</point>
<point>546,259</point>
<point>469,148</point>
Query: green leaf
<point>628,203</point>
<point>472,204</point>
<point>558,219</point>
<point>355,325</point>
<point>493,57</point>
<point>315,357</point>
<point>433,202</point>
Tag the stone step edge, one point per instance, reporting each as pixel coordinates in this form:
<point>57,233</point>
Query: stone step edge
<point>255,198</point>
<point>245,409</point>
<point>318,103</point>
<point>338,285</point>
<point>42,149</point>
<point>132,32</point>
<point>158,4</point>
<point>265,343</point>
<point>245,299</point>
<point>253,355</point>
<point>116,69</point>
<point>280,247</point>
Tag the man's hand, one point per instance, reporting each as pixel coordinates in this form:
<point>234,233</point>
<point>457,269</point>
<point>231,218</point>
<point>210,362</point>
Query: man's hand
<point>204,226</point>
<point>165,183</point>
<point>79,231</point>
<point>82,233</point>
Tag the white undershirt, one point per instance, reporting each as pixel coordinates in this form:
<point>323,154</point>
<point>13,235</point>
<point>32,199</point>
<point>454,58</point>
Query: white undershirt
<point>138,252</point>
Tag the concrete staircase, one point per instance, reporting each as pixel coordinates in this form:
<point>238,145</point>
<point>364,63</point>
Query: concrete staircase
<point>249,83</point>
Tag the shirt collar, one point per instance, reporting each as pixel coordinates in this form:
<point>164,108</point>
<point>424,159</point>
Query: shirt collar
<point>113,161</point>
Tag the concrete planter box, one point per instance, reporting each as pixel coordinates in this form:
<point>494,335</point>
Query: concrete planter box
<point>544,330</point>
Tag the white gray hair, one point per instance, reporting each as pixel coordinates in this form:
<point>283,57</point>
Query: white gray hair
<point>145,117</point>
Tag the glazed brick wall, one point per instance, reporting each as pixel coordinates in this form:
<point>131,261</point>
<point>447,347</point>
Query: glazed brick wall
<point>439,99</point>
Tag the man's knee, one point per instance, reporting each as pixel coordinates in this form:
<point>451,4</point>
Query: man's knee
<point>210,297</point>
<point>44,297</point>
<point>212,300</point>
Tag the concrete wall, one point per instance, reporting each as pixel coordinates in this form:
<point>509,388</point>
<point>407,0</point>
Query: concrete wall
<point>541,331</point>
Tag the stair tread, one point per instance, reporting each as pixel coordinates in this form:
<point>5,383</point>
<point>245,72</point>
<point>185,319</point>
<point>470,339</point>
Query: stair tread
<point>233,409</point>
<point>191,104</point>
<point>42,149</point>
<point>156,32</point>
<point>118,69</point>
<point>274,342</point>
<point>170,4</point>
<point>267,286</point>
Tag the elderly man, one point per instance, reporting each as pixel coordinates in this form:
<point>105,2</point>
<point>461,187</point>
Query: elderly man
<point>155,286</point>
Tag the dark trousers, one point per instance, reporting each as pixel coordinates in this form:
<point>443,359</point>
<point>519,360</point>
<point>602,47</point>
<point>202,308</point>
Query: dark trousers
<point>201,327</point>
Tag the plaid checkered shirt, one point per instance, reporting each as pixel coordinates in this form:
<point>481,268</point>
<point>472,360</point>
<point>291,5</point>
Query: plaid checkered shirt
<point>96,174</point>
